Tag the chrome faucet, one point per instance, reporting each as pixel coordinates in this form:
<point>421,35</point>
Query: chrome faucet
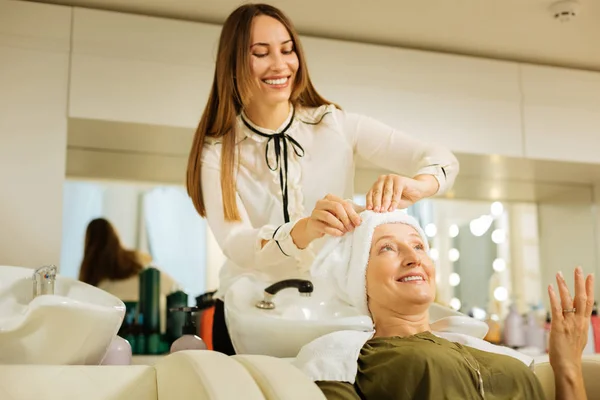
<point>304,287</point>
<point>43,280</point>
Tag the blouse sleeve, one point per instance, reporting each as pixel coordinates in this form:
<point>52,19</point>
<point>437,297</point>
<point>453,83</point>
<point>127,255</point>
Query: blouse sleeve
<point>397,151</point>
<point>239,240</point>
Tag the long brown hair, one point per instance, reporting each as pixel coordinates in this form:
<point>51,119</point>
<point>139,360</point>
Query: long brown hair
<point>104,257</point>
<point>230,93</point>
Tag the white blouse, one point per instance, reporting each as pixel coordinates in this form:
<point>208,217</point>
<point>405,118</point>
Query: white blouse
<point>331,140</point>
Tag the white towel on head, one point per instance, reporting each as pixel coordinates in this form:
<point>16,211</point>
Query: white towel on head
<point>342,261</point>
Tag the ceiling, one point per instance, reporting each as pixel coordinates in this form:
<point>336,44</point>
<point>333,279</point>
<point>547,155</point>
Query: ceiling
<point>517,30</point>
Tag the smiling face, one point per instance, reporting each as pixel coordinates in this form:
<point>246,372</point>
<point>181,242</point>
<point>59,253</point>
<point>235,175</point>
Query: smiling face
<point>273,61</point>
<point>400,274</point>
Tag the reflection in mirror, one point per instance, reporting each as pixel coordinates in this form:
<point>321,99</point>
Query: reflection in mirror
<point>157,220</point>
<point>487,255</point>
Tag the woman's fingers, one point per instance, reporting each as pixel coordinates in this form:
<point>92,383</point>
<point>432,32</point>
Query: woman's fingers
<point>325,228</point>
<point>340,209</point>
<point>388,193</point>
<point>555,307</point>
<point>325,216</point>
<point>391,192</point>
<point>376,194</point>
<point>580,293</point>
<point>396,197</point>
<point>589,290</point>
<point>352,214</point>
<point>369,199</point>
<point>565,297</point>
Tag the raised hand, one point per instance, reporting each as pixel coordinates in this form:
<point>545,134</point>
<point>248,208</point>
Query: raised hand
<point>569,333</point>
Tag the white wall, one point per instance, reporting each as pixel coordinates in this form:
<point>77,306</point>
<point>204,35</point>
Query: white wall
<point>34,69</point>
<point>567,239</point>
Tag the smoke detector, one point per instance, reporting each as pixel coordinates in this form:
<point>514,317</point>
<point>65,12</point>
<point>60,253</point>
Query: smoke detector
<point>565,10</point>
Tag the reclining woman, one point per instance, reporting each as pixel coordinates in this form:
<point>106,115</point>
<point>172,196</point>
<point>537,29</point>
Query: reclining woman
<point>383,269</point>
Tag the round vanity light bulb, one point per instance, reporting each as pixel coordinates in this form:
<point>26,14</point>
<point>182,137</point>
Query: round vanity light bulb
<point>479,313</point>
<point>496,208</point>
<point>499,265</point>
<point>454,279</point>
<point>455,303</point>
<point>453,231</point>
<point>430,230</point>
<point>453,255</point>
<point>434,254</point>
<point>500,293</point>
<point>480,225</point>
<point>494,317</point>
<point>499,236</point>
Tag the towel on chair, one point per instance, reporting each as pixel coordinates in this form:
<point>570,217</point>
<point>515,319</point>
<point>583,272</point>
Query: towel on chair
<point>342,263</point>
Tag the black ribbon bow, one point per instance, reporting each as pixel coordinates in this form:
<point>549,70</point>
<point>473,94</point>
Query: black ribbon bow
<point>280,142</point>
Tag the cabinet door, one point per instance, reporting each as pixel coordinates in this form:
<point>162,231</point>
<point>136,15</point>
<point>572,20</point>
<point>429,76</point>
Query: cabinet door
<point>140,69</point>
<point>470,105</point>
<point>561,114</point>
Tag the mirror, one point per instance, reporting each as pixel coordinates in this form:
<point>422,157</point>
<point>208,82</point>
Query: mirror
<point>155,220</point>
<point>546,222</point>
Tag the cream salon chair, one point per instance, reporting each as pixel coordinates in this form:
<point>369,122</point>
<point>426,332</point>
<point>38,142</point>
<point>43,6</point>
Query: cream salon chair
<point>198,375</point>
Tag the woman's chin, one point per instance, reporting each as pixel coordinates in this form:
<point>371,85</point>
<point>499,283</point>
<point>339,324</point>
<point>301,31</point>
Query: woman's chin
<point>423,298</point>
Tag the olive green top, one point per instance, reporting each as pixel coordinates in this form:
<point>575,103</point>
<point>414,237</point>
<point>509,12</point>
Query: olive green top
<point>424,366</point>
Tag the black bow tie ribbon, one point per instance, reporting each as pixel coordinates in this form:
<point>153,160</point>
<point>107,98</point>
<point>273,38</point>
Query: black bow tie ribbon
<point>280,143</point>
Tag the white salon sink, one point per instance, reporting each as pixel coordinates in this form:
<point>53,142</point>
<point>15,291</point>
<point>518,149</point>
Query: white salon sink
<point>297,320</point>
<point>73,326</point>
<point>294,322</point>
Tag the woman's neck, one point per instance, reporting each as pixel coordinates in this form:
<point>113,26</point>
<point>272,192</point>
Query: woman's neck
<point>401,325</point>
<point>268,116</point>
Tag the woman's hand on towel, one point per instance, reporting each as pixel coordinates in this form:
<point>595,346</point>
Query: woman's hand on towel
<point>569,330</point>
<point>393,191</point>
<point>331,216</point>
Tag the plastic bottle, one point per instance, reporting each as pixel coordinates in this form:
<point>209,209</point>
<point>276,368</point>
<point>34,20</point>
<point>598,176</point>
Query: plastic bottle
<point>547,327</point>
<point>189,340</point>
<point>514,334</point>
<point>534,332</point>
<point>118,353</point>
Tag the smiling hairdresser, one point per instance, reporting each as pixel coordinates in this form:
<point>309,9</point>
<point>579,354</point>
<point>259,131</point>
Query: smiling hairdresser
<point>272,160</point>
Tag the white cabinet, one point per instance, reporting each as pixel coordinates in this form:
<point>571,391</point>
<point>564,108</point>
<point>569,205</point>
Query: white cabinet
<point>150,70</point>
<point>470,105</point>
<point>140,69</point>
<point>156,71</point>
<point>561,114</point>
<point>34,68</point>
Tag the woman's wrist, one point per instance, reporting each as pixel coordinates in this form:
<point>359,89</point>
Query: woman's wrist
<point>569,387</point>
<point>568,382</point>
<point>430,184</point>
<point>568,372</point>
<point>300,235</point>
